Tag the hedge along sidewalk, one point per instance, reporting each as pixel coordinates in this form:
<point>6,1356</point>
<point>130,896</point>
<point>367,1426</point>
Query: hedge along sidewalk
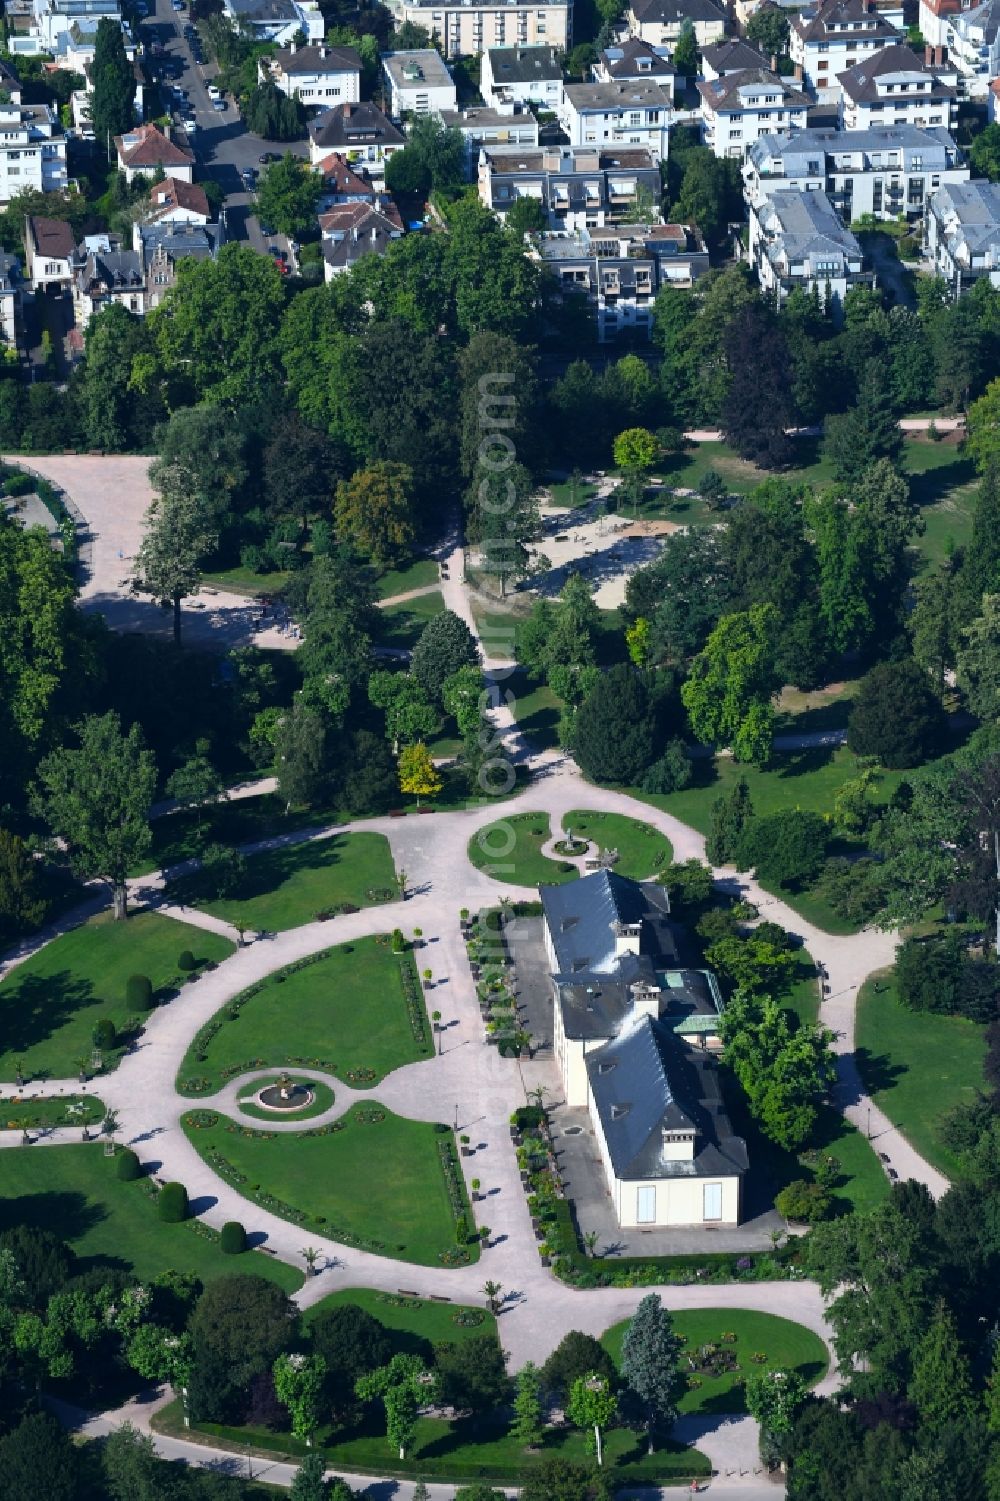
<point>359,1001</point>
<point>299,880</point>
<point>51,1002</point>
<point>370,1179</point>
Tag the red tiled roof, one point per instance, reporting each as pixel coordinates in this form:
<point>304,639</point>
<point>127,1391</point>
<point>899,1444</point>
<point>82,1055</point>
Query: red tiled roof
<point>339,176</point>
<point>147,146</point>
<point>172,192</point>
<point>52,237</point>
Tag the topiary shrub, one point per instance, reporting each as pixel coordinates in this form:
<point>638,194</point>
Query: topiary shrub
<point>104,1033</point>
<point>172,1203</point>
<point>138,992</point>
<point>186,961</point>
<point>233,1239</point>
<point>129,1166</point>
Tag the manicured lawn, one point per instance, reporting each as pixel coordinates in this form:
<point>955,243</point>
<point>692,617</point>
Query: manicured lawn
<point>323,1098</point>
<point>827,708</point>
<point>948,522</point>
<point>786,1344</point>
<point>535,708</point>
<point>343,1012</point>
<point>642,850</point>
<point>566,494</point>
<point>291,885</point>
<point>55,1110</point>
<point>412,1319</point>
<point>377,1184</point>
<point>74,1191</point>
<point>802,996</point>
<point>50,1004</point>
<point>917,1066</point>
<point>182,835</point>
<point>246,581</point>
<point>510,850</point>
<point>403,624</point>
<point>415,574</point>
<point>463,1451</point>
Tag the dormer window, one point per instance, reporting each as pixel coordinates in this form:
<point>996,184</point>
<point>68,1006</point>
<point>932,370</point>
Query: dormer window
<point>607,1065</point>
<point>618,1112</point>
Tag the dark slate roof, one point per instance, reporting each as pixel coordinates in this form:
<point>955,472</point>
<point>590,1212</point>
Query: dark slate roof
<point>860,82</point>
<point>348,125</point>
<point>118,270</point>
<point>317,59</point>
<point>178,241</point>
<point>645,1082</point>
<point>670,12</point>
<point>623,60</point>
<point>524,64</point>
<point>813,23</point>
<point>723,94</point>
<point>264,12</point>
<point>732,56</point>
<point>52,237</point>
<point>597,1006</point>
<point>580,915</point>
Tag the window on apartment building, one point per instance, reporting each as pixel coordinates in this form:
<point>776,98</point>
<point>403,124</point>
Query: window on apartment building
<point>51,268</point>
<point>916,161</point>
<point>877,196</point>
<point>821,67</point>
<point>735,133</point>
<point>634,118</point>
<point>333,93</point>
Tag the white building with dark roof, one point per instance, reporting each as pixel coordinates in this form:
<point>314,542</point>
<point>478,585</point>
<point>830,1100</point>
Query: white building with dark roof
<point>636,1034</point>
<point>738,108</point>
<point>278,20</point>
<point>480,126</point>
<point>318,75</point>
<point>885,172</point>
<point>730,56</point>
<point>635,61</point>
<point>610,114</point>
<point>351,231</point>
<point>962,233</point>
<point>829,37</point>
<point>898,87</point>
<point>660,22</point>
<point>797,240</point>
<point>512,78</point>
<point>359,133</point>
<point>49,250</point>
<point>620,269</point>
<point>32,149</point>
<point>971,34</point>
<point>578,187</point>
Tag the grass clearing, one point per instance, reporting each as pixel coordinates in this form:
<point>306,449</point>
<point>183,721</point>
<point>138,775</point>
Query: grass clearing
<point>536,710</point>
<point>917,1066</point>
<point>642,850</point>
<point>74,1191</point>
<point>785,1345</point>
<point>344,1012</point>
<point>293,883</point>
<point>416,573</point>
<point>371,1179</point>
<point>51,1110</point>
<point>403,624</point>
<point>247,581</point>
<point>414,1321</point>
<point>510,850</point>
<point>50,1004</point>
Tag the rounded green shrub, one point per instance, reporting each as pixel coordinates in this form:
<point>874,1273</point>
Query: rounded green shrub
<point>104,1033</point>
<point>129,1166</point>
<point>172,1203</point>
<point>233,1239</point>
<point>138,992</point>
<point>186,961</point>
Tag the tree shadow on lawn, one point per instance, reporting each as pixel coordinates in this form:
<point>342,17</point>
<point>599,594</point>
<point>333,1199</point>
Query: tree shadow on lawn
<point>64,1211</point>
<point>798,763</point>
<point>265,871</point>
<point>878,1072</point>
<point>933,485</point>
<point>33,1007</point>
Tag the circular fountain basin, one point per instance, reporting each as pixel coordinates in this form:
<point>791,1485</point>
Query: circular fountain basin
<point>293,1096</point>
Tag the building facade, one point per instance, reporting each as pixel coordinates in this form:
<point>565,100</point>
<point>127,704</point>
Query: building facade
<point>738,108</point>
<point>660,22</point>
<point>32,150</point>
<point>513,78</point>
<point>797,240</point>
<point>971,35</point>
<point>579,188</point>
<point>828,38</point>
<point>962,234</point>
<point>319,76</point>
<point>465,30</point>
<point>418,83</point>
<point>612,114</point>
<point>359,133</point>
<point>898,87</point>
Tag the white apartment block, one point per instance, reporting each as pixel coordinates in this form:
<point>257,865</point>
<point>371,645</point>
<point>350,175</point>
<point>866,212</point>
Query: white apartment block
<point>738,108</point>
<point>971,34</point>
<point>578,187</point>
<point>419,83</point>
<point>883,172</point>
<point>797,240</point>
<point>319,76</point>
<point>278,21</point>
<point>962,233</point>
<point>896,87</point>
<point>516,77</point>
<point>467,29</point>
<point>829,37</point>
<point>32,149</point>
<point>627,114</point>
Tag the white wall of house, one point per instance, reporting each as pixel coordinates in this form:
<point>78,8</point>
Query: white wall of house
<point>321,89</point>
<point>465,30</point>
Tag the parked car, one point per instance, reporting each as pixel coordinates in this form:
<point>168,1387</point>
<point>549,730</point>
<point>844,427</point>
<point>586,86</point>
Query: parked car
<point>214,92</point>
<point>219,104</point>
<point>268,156</point>
<point>249,177</point>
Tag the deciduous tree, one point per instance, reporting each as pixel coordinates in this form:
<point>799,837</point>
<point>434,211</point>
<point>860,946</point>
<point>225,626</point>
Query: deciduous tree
<point>375,510</point>
<point>287,196</point>
<point>409,715</point>
<point>180,529</point>
<point>729,692</point>
<point>445,645</point>
<point>418,776</point>
<point>401,1387</point>
<point>592,1406</point>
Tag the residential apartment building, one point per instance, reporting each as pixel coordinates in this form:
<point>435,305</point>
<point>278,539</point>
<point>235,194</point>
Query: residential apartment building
<point>962,233</point>
<point>147,150</point>
<point>738,108</point>
<point>480,126</point>
<point>898,87</point>
<point>635,61</point>
<point>884,172</point>
<point>360,133</point>
<point>829,37</point>
<point>971,34</point>
<point>731,56</point>
<point>49,249</point>
<point>319,76</point>
<point>32,149</point>
<point>419,83</point>
<point>579,188</point>
<point>278,21</point>
<point>104,273</point>
<point>513,78</point>
<point>630,114</point>
<point>620,269</point>
<point>162,247</point>
<point>46,25</point>
<point>11,301</point>
<point>353,230</point>
<point>660,22</point>
<point>176,202</point>
<point>466,29</point>
<point>797,240</point>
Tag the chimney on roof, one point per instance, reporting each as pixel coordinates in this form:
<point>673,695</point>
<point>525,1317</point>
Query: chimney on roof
<point>166,129</point>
